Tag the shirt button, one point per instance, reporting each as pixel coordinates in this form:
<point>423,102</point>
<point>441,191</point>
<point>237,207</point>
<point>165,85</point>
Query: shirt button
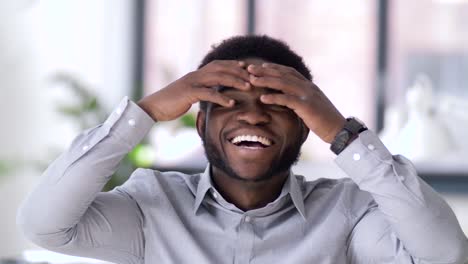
<point>356,156</point>
<point>215,195</point>
<point>85,147</point>
<point>402,178</point>
<point>371,147</point>
<point>248,219</point>
<point>131,122</point>
<point>119,111</point>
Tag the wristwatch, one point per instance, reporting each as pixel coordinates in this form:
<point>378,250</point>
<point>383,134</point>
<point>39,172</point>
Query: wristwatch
<point>351,130</point>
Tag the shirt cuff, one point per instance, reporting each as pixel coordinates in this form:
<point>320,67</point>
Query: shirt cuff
<point>363,156</point>
<point>129,122</point>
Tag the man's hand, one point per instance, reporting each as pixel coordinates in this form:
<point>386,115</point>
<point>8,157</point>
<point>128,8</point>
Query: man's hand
<point>300,95</point>
<point>176,99</point>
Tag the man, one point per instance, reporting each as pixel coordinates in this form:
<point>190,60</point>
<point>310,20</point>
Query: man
<point>258,104</point>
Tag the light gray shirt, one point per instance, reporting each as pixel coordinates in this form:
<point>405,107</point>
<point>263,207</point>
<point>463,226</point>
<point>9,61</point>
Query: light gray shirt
<point>384,213</point>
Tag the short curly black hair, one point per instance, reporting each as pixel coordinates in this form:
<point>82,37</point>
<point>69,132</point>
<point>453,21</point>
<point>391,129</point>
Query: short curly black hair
<point>255,46</point>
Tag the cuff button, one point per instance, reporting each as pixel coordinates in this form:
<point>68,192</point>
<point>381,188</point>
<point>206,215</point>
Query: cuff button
<point>356,156</point>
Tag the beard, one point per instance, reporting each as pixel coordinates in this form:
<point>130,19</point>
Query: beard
<point>283,163</point>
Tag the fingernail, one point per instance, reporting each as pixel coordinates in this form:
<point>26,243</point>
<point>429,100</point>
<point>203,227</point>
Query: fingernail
<point>241,63</point>
<point>250,67</point>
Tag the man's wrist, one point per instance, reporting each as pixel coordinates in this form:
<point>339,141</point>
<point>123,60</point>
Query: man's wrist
<point>330,136</point>
<point>145,107</point>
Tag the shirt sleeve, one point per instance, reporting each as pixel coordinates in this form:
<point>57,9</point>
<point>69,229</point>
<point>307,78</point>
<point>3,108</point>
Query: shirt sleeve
<point>408,221</point>
<point>67,212</point>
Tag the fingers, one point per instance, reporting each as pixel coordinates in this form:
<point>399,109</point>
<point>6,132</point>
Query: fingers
<point>279,77</point>
<point>232,67</point>
<point>274,70</point>
<point>289,101</point>
<point>223,79</point>
<point>285,84</point>
<point>211,95</point>
<point>229,73</point>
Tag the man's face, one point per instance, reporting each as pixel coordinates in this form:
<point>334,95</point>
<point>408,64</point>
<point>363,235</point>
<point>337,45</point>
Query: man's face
<point>251,141</point>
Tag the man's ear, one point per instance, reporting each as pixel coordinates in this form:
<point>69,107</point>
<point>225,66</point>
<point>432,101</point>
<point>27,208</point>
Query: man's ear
<point>201,123</point>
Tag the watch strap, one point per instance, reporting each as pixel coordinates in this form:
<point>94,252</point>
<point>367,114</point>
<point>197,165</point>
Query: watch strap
<point>350,131</point>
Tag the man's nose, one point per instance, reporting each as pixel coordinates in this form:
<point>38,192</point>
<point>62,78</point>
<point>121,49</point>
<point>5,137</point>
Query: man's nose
<point>254,114</point>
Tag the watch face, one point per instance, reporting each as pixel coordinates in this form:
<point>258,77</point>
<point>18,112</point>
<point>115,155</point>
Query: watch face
<point>344,136</point>
<point>352,127</point>
<point>340,146</point>
<point>340,141</point>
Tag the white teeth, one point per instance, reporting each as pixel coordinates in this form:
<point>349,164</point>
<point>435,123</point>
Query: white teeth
<point>252,138</point>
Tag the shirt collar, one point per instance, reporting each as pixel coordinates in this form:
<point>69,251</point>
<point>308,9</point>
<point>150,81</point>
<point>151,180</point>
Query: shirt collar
<point>204,185</point>
<point>291,186</point>
<point>295,191</point>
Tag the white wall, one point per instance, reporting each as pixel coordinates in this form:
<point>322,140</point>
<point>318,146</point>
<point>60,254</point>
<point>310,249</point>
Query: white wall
<point>89,39</point>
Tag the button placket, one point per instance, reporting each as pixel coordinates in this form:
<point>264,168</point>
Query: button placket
<point>244,245</point>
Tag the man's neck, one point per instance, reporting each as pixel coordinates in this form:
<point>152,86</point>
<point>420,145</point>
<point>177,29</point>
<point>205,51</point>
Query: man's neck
<point>248,195</point>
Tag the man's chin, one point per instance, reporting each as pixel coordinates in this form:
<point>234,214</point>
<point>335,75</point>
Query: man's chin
<point>247,173</point>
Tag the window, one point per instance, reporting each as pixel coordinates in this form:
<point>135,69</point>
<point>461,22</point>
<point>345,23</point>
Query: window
<point>179,33</point>
<point>337,41</point>
<point>429,40</point>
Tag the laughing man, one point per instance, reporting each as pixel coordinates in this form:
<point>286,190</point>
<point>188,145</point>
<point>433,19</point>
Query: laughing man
<point>258,104</point>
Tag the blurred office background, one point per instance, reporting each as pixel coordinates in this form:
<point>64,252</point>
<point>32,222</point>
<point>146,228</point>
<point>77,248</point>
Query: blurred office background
<point>400,66</point>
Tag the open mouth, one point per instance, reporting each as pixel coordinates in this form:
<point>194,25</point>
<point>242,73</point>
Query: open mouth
<point>251,141</point>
